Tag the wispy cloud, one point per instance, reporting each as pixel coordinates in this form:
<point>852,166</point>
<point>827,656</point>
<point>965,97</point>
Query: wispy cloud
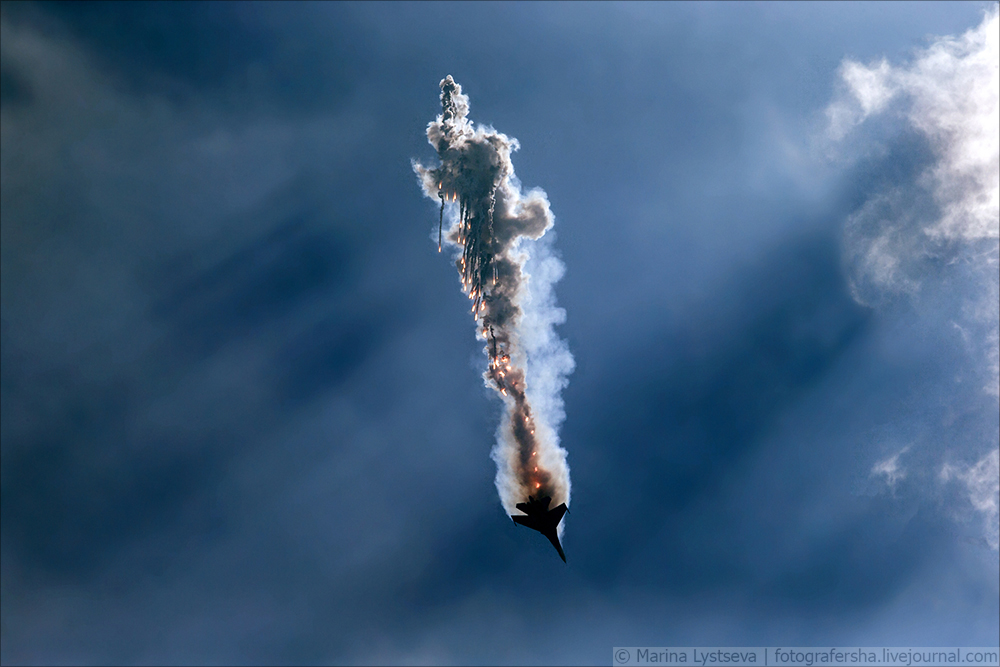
<point>950,212</point>
<point>982,485</point>
<point>932,233</point>
<point>948,94</point>
<point>890,469</point>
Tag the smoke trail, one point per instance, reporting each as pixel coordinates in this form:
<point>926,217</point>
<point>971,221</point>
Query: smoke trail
<point>514,315</point>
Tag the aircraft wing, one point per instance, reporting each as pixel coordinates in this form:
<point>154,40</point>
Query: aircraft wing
<point>555,542</point>
<point>556,514</point>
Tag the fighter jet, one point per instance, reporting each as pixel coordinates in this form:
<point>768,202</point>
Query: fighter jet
<point>538,516</point>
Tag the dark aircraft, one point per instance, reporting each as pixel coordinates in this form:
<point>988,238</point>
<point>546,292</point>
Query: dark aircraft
<point>493,344</point>
<point>538,516</point>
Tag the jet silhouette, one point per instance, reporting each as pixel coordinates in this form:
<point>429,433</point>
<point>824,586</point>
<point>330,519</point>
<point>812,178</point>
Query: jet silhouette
<point>538,516</point>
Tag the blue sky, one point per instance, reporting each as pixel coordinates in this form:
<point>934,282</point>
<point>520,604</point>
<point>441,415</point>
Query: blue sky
<point>242,411</point>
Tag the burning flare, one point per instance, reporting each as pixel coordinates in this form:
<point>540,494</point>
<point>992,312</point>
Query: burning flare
<point>491,228</point>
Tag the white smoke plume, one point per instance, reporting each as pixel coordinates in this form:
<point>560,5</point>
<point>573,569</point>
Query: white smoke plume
<point>911,237</point>
<point>497,230</point>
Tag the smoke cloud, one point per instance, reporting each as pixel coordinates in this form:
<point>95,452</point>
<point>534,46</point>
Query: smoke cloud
<point>496,230</point>
<point>937,235</point>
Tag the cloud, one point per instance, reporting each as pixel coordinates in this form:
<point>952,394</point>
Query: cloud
<point>982,484</point>
<point>890,469</point>
<point>949,95</point>
<point>870,88</point>
<point>881,248</point>
<point>948,210</point>
<point>927,229</point>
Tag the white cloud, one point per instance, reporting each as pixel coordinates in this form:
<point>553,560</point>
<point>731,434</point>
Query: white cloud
<point>936,233</point>
<point>872,87</point>
<point>878,245</point>
<point>890,469</point>
<point>982,483</point>
<point>954,89</point>
<point>950,95</point>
